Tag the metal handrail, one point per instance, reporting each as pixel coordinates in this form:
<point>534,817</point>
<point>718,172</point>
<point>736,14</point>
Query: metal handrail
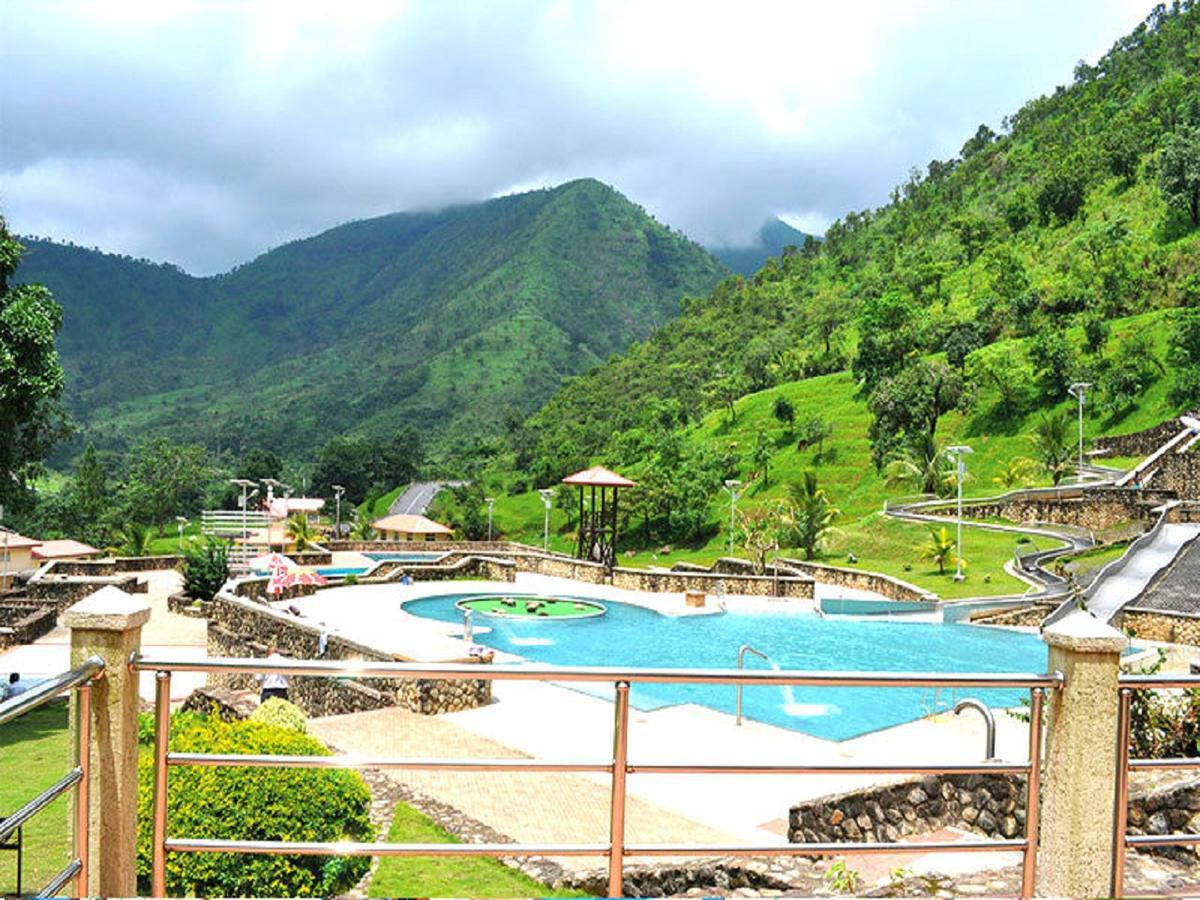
<point>471,671</point>
<point>616,849</point>
<point>49,689</point>
<point>989,720</point>
<point>1122,839</point>
<point>741,664</point>
<point>79,679</point>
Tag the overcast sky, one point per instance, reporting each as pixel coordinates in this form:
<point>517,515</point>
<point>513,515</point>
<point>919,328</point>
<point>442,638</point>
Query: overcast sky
<point>204,133</point>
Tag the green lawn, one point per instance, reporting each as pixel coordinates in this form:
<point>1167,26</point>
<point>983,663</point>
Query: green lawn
<point>35,752</point>
<point>450,876</point>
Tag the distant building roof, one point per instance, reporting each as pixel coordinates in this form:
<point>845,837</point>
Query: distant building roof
<point>598,476</point>
<point>64,549</point>
<point>407,524</point>
<point>14,540</point>
<point>1174,589</point>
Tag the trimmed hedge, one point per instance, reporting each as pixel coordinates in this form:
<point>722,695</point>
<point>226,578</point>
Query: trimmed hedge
<point>253,804</point>
<point>282,714</point>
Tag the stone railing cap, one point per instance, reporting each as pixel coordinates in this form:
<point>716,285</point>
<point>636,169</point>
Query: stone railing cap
<point>1083,632</point>
<point>109,609</point>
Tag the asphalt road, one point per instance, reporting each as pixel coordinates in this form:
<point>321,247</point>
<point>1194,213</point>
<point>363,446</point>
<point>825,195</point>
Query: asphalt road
<point>417,497</point>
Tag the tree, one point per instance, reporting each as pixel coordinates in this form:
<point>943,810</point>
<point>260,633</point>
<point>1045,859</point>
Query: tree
<point>784,411</point>
<point>1054,362</point>
<point>725,390</point>
<point>922,467</point>
<point>907,406</point>
<point>1062,193</point>
<point>31,378</point>
<point>981,140</point>
<point>1054,443</point>
<point>90,499</point>
<point>362,529</point>
<point>1017,473</point>
<point>811,513</point>
<point>939,548</point>
<point>1183,354</point>
<point>301,532</point>
<point>973,233</point>
<point>814,431</point>
<point>760,456</point>
<point>961,343</point>
<point>167,480</point>
<point>259,464</point>
<point>759,534</point>
<point>1179,172</point>
<point>888,328</point>
<point>205,569</point>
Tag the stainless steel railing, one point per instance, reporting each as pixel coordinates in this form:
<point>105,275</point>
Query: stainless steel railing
<point>79,679</point>
<point>616,849</point>
<point>1122,839</point>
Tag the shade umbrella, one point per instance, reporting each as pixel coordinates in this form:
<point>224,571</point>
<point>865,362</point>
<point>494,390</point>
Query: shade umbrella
<point>294,578</point>
<point>272,562</point>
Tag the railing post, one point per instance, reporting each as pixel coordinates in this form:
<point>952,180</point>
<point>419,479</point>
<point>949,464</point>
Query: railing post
<point>83,716</point>
<point>107,624</point>
<point>162,731</point>
<point>1121,806</point>
<point>1079,786</point>
<point>1033,794</point>
<point>616,830</point>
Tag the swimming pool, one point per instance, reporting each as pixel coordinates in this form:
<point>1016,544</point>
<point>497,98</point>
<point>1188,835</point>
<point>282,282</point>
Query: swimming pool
<point>633,636</point>
<point>327,571</point>
<point>405,557</point>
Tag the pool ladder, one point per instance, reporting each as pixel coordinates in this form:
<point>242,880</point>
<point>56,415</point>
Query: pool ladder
<point>742,651</point>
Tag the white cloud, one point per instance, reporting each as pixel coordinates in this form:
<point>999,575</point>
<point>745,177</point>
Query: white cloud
<point>204,132</point>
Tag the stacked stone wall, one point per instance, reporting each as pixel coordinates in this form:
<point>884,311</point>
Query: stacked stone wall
<point>1030,616</point>
<point>1179,473</point>
<point>62,591</point>
<point>1153,625</point>
<point>23,622</point>
<point>146,563</point>
<point>885,585</point>
<point>1094,509</point>
<point>794,586</point>
<point>1139,443</point>
<point>239,627</point>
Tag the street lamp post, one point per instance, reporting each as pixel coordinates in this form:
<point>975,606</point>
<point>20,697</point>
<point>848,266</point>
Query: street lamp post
<point>490,501</point>
<point>732,485</point>
<point>338,490</point>
<point>960,469</point>
<point>245,484</point>
<point>546,495</point>
<point>182,525</point>
<point>1079,391</point>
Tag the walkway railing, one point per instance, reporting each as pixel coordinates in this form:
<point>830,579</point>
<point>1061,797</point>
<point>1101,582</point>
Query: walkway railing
<point>1123,841</point>
<point>616,849</point>
<point>80,680</point>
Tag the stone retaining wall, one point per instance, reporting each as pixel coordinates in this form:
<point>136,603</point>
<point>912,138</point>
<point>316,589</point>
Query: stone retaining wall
<point>886,585</point>
<point>61,591</point>
<point>794,586</point>
<point>184,605</point>
<point>1180,474</point>
<point>240,627</point>
<point>1030,616</point>
<point>146,563</point>
<point>1097,509</point>
<point>23,622</point>
<point>1153,625</point>
<point>1139,443</point>
<point>990,805</point>
<point>561,567</point>
<point>456,565</point>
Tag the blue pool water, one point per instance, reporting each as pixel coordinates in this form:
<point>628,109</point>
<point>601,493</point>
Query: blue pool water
<point>634,636</point>
<point>404,557</point>
<point>327,571</point>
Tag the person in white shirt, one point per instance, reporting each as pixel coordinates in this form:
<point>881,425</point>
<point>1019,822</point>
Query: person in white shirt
<point>15,686</point>
<point>274,684</point>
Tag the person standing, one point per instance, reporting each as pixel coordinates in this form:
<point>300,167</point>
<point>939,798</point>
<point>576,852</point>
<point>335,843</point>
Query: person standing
<point>274,684</point>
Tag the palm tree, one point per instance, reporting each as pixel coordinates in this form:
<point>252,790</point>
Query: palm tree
<point>362,529</point>
<point>301,531</point>
<point>135,540</point>
<point>1054,444</point>
<point>1018,473</point>
<point>811,513</point>
<point>939,548</point>
<point>922,467</point>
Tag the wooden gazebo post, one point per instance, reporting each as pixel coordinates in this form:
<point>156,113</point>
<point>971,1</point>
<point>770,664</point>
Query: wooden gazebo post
<point>598,526</point>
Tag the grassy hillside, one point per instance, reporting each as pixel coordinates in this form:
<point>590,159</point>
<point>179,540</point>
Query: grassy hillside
<point>844,468</point>
<point>448,320</point>
<point>1060,220</point>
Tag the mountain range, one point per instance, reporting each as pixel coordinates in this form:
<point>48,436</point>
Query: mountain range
<point>771,239</point>
<point>450,321</point>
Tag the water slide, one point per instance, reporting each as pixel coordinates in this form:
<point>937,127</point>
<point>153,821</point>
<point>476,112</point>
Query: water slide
<point>1122,581</point>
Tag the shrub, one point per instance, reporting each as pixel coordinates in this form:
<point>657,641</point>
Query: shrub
<point>282,714</point>
<point>205,569</point>
<point>252,803</point>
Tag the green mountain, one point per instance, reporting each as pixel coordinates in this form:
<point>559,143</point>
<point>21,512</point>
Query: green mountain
<point>448,320</point>
<point>770,240</point>
<point>1082,209</point>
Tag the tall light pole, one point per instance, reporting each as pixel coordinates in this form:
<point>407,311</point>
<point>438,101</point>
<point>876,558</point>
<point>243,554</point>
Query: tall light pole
<point>732,485</point>
<point>546,495</point>
<point>490,501</point>
<point>1079,391</point>
<point>245,484</point>
<point>338,490</point>
<point>960,469</point>
<point>182,525</point>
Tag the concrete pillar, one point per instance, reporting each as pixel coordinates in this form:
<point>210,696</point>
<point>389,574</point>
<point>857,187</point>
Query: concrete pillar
<point>108,624</point>
<point>1079,773</point>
